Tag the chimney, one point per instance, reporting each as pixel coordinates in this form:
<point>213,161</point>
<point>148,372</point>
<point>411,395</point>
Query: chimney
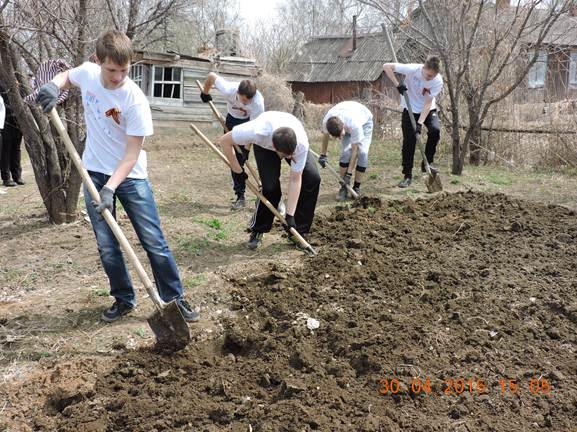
<point>354,32</point>
<point>502,4</point>
<point>227,42</point>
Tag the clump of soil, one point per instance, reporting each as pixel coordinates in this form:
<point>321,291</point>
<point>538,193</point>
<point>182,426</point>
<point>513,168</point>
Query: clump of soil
<point>424,293</point>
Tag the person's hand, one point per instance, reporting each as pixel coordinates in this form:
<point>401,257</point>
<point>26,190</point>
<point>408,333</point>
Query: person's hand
<point>205,97</point>
<point>323,160</point>
<point>346,180</point>
<point>418,129</point>
<point>290,223</point>
<point>106,200</point>
<point>241,176</point>
<point>402,88</point>
<point>47,97</point>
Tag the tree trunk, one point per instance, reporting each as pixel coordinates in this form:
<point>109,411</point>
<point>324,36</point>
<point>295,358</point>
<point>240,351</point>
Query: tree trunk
<point>55,177</point>
<point>457,167</point>
<point>474,135</point>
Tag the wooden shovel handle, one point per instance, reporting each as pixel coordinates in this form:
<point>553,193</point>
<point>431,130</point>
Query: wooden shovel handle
<point>114,227</point>
<point>256,191</point>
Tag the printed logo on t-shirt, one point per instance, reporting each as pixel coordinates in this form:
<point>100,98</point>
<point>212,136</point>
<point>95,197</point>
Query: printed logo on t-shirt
<point>115,114</point>
<point>90,97</point>
<point>426,90</point>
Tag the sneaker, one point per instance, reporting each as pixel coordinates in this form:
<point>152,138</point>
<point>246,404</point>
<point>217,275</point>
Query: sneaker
<point>343,193</point>
<point>406,182</point>
<point>20,182</point>
<point>357,190</point>
<point>255,240</point>
<point>189,314</point>
<point>240,203</point>
<point>116,311</point>
<point>9,183</point>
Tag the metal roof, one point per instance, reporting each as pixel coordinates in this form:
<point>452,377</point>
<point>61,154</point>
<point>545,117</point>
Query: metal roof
<point>330,59</point>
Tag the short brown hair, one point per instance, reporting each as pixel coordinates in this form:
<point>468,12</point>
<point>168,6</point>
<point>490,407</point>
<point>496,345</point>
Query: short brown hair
<point>433,63</point>
<point>335,126</point>
<point>284,140</point>
<point>115,46</point>
<point>247,88</point>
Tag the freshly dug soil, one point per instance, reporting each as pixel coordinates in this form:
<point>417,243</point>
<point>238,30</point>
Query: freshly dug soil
<point>472,287</point>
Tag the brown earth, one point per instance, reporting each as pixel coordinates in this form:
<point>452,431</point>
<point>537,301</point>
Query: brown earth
<point>465,285</point>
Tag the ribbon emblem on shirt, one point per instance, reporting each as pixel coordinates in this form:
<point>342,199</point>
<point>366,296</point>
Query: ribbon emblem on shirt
<point>115,114</point>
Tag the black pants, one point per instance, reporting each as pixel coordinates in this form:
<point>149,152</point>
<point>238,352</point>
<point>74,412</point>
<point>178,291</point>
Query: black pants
<point>238,186</point>
<point>410,142</point>
<point>269,167</point>
<point>10,152</point>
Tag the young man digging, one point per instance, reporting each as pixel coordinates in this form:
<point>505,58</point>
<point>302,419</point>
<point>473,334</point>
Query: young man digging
<point>423,84</point>
<point>353,124</point>
<point>118,119</point>
<point>244,102</point>
<point>277,136</point>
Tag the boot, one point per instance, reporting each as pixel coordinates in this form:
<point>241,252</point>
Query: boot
<point>240,203</point>
<point>343,193</point>
<point>406,182</point>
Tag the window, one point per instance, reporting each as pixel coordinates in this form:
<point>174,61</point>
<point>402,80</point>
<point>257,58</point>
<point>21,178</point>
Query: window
<point>573,70</point>
<point>167,82</point>
<point>136,74</point>
<point>538,70</point>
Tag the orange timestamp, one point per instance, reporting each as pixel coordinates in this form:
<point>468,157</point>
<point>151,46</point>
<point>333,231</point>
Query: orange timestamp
<point>461,385</point>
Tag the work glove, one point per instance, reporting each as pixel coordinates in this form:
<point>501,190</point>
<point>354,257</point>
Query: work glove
<point>106,200</point>
<point>346,180</point>
<point>47,97</point>
<point>205,97</point>
<point>241,176</point>
<point>290,223</point>
<point>323,160</point>
<point>418,129</point>
<point>402,88</point>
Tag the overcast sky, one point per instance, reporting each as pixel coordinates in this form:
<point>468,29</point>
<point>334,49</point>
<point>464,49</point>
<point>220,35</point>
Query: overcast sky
<point>251,10</point>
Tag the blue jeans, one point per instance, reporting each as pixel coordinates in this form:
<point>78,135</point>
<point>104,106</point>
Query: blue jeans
<point>136,197</point>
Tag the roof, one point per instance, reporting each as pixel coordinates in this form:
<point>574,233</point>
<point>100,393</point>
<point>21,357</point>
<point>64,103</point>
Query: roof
<point>330,59</point>
<point>563,31</point>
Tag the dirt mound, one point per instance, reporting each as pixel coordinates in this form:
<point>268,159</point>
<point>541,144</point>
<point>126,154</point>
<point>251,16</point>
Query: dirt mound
<point>455,313</point>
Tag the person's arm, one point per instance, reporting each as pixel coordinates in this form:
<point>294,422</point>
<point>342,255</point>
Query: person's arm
<point>134,145</point>
<point>426,109</point>
<point>227,144</point>
<point>325,143</point>
<point>389,69</point>
<point>294,191</point>
<point>62,81</point>
<point>209,82</point>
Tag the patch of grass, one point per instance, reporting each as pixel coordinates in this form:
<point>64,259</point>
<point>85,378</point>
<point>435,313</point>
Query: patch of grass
<point>455,181</point>
<point>211,223</point>
<point>371,210</point>
<point>140,332</point>
<point>216,228</point>
<point>373,176</point>
<point>193,245</point>
<point>500,179</point>
<point>194,281</point>
<point>101,292</point>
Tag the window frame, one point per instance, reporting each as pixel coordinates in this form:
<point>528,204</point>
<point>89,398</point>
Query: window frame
<point>537,75</point>
<point>153,82</point>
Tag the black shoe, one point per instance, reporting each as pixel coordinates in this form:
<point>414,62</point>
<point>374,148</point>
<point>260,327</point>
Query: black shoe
<point>116,311</point>
<point>240,203</point>
<point>20,182</point>
<point>9,183</point>
<point>357,190</point>
<point>294,241</point>
<point>255,240</point>
<point>406,182</point>
<point>343,193</point>
<point>189,314</point>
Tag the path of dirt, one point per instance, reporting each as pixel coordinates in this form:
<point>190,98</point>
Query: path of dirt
<point>460,286</point>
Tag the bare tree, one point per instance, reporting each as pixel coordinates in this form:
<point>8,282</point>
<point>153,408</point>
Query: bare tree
<point>484,49</point>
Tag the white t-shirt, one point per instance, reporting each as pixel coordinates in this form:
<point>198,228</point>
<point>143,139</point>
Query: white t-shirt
<point>2,113</point>
<point>111,116</point>
<point>353,115</point>
<point>260,131</point>
<point>418,87</point>
<point>235,108</point>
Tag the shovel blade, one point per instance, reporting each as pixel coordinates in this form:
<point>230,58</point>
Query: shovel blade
<point>434,183</point>
<point>170,328</point>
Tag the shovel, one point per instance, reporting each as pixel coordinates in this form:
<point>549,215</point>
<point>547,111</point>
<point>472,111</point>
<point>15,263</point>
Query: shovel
<point>167,322</point>
<point>433,179</point>
<point>337,176</point>
<point>258,193</point>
